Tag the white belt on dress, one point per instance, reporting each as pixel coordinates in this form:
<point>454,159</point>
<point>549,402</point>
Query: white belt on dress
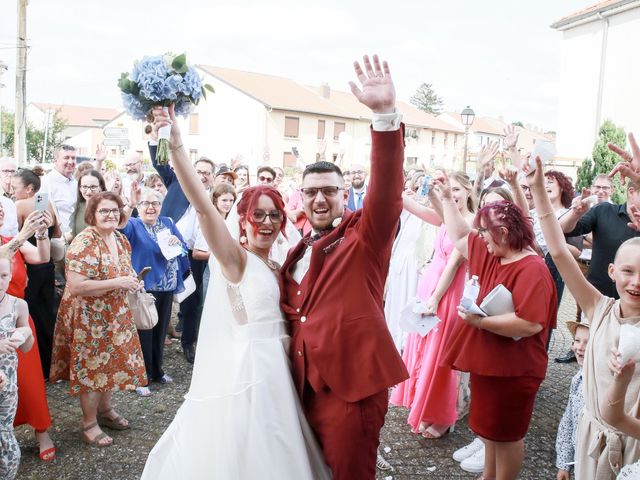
<point>608,442</point>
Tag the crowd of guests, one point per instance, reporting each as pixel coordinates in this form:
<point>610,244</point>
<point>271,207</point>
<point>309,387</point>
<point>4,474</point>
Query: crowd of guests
<point>517,223</point>
<point>90,231</point>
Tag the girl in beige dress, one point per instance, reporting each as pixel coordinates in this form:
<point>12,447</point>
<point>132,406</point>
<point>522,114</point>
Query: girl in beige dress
<point>601,449</point>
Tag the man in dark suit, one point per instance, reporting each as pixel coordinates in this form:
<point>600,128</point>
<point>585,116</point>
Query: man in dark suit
<point>358,189</point>
<point>343,356</point>
<point>176,207</point>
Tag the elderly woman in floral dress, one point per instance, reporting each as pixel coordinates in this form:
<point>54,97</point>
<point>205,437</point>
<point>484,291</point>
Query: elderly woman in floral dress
<point>96,345</point>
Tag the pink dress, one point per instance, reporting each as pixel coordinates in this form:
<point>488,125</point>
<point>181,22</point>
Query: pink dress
<point>431,390</point>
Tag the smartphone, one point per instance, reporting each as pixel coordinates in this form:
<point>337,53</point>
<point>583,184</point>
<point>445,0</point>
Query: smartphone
<point>143,273</point>
<point>42,200</point>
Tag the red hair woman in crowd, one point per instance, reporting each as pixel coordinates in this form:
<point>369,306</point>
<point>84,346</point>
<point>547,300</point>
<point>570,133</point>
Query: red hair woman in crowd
<point>505,354</point>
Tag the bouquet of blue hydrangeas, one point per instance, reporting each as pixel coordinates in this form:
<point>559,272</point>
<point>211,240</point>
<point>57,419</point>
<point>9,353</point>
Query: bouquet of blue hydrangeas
<point>160,81</point>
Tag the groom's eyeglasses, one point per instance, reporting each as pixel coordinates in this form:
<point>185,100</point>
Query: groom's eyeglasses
<point>311,192</point>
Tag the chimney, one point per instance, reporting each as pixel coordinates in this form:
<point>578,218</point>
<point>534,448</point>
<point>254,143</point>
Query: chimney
<point>325,90</point>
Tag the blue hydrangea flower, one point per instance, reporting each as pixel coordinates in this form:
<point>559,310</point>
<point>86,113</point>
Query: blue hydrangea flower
<point>159,84</point>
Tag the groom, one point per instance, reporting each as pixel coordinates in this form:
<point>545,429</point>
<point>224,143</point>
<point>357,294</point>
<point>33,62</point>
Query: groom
<point>343,357</point>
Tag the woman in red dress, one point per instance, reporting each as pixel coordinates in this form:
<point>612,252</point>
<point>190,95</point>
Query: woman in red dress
<point>32,395</point>
<point>505,354</point>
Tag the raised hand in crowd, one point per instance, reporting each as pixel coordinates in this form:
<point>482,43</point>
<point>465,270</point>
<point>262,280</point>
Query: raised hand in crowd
<point>630,167</point>
<point>101,155</point>
<point>378,92</point>
<point>36,222</point>
<point>484,165</point>
<point>236,161</point>
<point>634,210</point>
<point>582,202</point>
<point>511,144</point>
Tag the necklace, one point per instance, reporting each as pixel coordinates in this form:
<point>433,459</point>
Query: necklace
<point>273,266</point>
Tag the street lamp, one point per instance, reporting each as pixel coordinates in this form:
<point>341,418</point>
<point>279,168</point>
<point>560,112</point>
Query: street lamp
<point>467,119</point>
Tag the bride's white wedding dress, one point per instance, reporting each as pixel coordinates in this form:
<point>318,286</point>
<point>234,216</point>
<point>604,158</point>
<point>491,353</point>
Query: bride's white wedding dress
<point>241,419</point>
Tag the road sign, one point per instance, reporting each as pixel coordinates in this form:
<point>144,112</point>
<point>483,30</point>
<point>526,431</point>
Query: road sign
<point>116,142</point>
<point>114,132</point>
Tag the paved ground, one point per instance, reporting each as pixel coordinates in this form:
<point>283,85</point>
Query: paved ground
<point>412,456</point>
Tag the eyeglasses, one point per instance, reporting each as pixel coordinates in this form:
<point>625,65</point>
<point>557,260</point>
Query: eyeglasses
<point>146,204</point>
<point>8,172</point>
<point>604,188</point>
<point>358,172</point>
<point>312,192</point>
<point>93,188</point>
<point>203,173</point>
<point>265,179</point>
<point>259,216</point>
<point>105,212</point>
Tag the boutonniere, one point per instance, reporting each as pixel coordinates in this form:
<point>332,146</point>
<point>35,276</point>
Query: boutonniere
<point>332,246</point>
<point>336,222</point>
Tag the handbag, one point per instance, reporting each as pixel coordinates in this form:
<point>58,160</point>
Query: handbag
<point>143,309</point>
<point>58,249</point>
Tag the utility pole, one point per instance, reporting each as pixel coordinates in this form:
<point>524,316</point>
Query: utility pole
<point>20,125</point>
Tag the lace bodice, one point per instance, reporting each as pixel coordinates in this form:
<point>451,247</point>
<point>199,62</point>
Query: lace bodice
<point>255,300</point>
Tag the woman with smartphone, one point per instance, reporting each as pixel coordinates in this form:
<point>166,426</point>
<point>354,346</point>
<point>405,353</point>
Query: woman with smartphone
<point>163,276</point>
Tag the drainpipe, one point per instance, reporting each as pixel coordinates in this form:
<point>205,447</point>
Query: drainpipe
<point>603,60</point>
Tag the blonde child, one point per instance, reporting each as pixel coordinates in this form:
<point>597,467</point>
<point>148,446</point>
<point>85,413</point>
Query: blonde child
<point>566,438</point>
<point>14,333</point>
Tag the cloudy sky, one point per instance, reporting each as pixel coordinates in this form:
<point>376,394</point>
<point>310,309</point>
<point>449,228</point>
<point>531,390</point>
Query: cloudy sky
<point>500,57</point>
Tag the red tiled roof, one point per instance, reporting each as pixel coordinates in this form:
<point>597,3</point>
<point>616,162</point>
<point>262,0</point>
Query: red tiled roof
<point>599,7</point>
<point>80,116</point>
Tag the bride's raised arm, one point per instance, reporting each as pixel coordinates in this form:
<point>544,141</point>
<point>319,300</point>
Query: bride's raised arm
<point>231,256</point>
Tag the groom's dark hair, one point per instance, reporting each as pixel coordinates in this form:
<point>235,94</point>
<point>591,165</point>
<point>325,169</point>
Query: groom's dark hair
<point>321,167</point>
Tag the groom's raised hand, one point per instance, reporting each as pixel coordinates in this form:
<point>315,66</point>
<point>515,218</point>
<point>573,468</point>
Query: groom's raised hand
<point>377,91</point>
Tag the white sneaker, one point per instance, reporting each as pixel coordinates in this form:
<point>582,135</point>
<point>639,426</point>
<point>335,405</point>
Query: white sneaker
<point>475,463</point>
<point>468,450</point>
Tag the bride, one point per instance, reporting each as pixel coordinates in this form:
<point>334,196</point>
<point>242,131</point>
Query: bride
<point>241,418</point>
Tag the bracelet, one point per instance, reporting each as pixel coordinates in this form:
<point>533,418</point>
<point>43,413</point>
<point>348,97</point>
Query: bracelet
<point>41,236</point>
<point>545,215</point>
<point>611,404</point>
<point>176,148</point>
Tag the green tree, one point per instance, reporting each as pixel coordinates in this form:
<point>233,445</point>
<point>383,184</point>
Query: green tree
<point>426,99</point>
<point>518,124</point>
<point>35,137</point>
<point>603,160</point>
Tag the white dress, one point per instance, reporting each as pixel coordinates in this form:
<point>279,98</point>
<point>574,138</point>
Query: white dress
<point>241,418</point>
<point>402,280</point>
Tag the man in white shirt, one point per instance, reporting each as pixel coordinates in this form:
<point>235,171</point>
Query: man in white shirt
<point>62,186</point>
<point>133,169</point>
<point>8,169</point>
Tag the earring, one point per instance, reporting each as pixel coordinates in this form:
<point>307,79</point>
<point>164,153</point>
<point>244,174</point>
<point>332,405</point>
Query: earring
<point>243,239</point>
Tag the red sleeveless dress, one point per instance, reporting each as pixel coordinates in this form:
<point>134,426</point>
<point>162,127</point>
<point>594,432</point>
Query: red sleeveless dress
<point>33,408</point>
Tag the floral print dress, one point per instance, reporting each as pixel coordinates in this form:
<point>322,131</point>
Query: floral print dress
<point>9,448</point>
<point>96,345</point>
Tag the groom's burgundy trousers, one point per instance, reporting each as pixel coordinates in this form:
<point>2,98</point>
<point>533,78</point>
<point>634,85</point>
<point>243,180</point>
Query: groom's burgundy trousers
<point>348,432</point>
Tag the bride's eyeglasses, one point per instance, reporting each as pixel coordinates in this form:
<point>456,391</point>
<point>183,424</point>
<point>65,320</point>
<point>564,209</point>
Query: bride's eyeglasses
<point>259,216</point>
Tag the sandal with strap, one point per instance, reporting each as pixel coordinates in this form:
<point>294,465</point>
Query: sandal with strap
<point>95,441</point>
<point>47,455</point>
<point>433,432</point>
<point>116,423</point>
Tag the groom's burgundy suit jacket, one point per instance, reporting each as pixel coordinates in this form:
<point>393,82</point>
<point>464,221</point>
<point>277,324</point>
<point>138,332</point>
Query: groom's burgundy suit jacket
<point>339,336</point>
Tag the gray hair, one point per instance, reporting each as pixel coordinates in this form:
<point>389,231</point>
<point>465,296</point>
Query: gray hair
<point>150,191</point>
